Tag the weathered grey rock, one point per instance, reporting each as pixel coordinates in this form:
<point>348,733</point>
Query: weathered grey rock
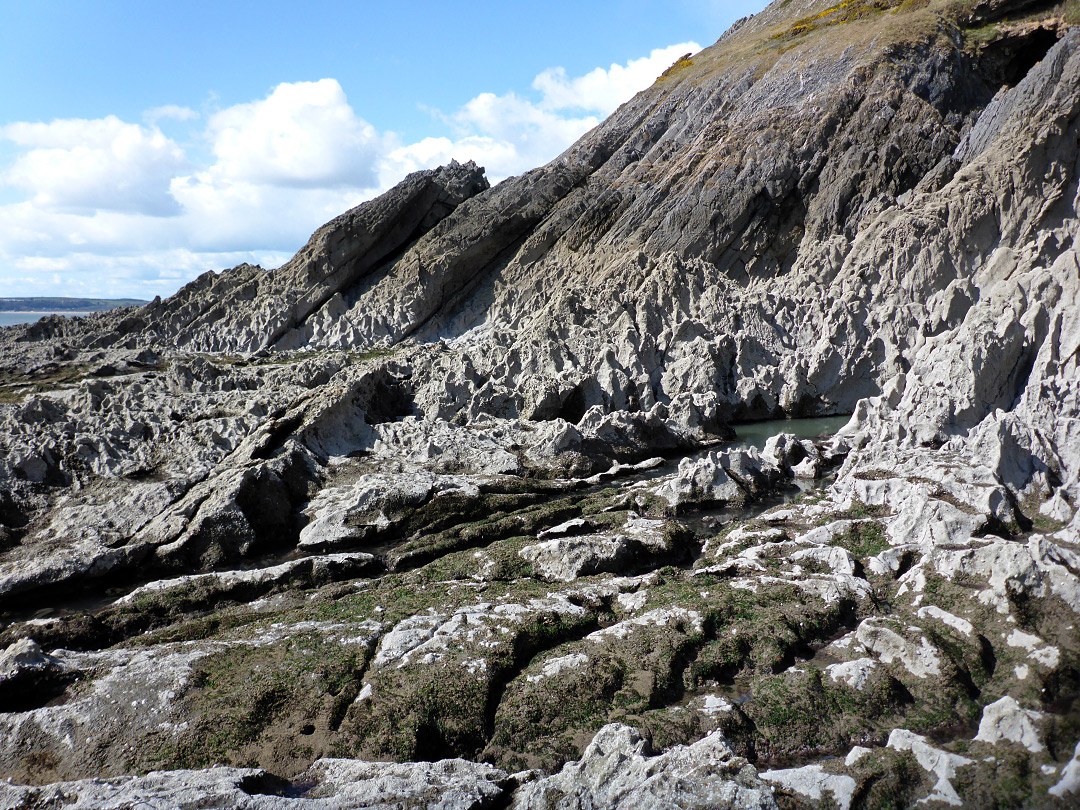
<point>727,477</point>
<point>330,784</point>
<point>130,699</point>
<point>1005,720</point>
<point>29,676</point>
<point>618,769</point>
<point>1069,783</point>
<point>833,210</point>
<point>814,783</point>
<point>23,660</point>
<point>374,502</point>
<point>941,765</point>
<point>639,540</point>
<point>786,452</point>
<point>221,585</point>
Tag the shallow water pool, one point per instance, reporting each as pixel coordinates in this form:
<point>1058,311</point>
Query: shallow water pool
<point>755,434</point>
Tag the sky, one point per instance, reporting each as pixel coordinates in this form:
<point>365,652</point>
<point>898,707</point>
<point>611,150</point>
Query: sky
<point>142,144</point>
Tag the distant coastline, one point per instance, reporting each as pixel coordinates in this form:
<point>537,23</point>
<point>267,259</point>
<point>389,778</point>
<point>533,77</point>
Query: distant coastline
<point>14,311</point>
<point>61,305</point>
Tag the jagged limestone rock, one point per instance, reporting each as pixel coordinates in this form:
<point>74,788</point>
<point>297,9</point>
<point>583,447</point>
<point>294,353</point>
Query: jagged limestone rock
<point>619,770</point>
<point>400,498</point>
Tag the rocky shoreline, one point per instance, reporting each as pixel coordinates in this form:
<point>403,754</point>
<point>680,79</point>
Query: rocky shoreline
<point>443,512</point>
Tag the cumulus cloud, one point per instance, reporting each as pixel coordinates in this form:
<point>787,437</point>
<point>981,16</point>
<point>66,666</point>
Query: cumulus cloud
<point>85,166</point>
<point>509,134</point>
<point>117,208</point>
<point>303,134</point>
<point>603,90</point>
<point>505,134</point>
<point>532,133</point>
<point>119,203</point>
<point>149,273</point>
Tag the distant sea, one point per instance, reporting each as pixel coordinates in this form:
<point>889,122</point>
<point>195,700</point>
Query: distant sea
<point>12,318</point>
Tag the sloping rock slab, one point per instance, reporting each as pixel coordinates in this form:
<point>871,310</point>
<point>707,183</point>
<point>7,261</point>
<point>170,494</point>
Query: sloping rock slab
<point>330,784</point>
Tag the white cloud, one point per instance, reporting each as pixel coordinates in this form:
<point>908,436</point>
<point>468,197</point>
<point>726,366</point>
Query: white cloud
<point>510,134</point>
<point>538,134</point>
<point>96,192</point>
<point>116,208</point>
<point>431,152</point>
<point>603,90</point>
<point>170,112</point>
<point>238,216</point>
<point>90,165</point>
<point>303,134</point>
<point>150,273</point>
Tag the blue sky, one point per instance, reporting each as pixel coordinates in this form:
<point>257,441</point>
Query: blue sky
<point>144,143</point>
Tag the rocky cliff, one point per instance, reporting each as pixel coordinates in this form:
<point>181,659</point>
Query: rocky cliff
<point>445,511</point>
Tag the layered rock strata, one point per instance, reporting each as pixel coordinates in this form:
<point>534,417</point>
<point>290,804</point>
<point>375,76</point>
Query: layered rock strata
<point>445,511</point>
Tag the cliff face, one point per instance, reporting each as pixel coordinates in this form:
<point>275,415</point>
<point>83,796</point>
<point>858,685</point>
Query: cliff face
<point>398,499</point>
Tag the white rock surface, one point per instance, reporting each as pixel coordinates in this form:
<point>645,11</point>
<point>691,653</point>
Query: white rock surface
<point>617,770</point>
<point>813,782</point>
<point>564,559</point>
<point>1005,720</point>
<point>1069,783</point>
<point>941,764</point>
<point>330,784</point>
<point>854,673</point>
